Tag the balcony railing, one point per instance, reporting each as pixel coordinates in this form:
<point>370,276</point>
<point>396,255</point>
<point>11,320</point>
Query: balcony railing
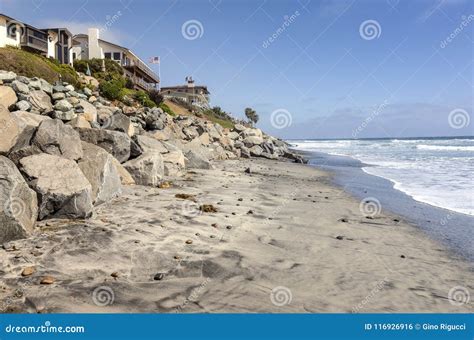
<point>144,68</point>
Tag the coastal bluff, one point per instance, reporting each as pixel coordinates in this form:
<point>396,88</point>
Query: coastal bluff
<point>65,150</point>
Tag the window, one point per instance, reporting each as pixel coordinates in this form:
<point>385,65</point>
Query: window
<point>117,56</point>
<point>108,55</point>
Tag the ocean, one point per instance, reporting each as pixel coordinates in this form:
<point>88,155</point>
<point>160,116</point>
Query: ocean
<point>436,171</point>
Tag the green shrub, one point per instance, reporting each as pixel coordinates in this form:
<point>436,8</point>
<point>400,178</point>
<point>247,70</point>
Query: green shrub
<point>167,109</point>
<point>129,83</point>
<point>112,89</point>
<point>143,98</point>
<point>217,115</point>
<point>112,69</point>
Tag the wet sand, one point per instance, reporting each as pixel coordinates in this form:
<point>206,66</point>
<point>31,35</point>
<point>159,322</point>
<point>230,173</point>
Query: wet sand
<point>283,240</point>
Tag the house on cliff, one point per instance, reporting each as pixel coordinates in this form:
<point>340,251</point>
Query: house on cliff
<point>197,95</point>
<point>89,46</point>
<point>53,43</point>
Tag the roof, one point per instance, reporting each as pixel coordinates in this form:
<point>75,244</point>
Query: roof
<point>82,35</point>
<point>185,87</point>
<point>58,29</point>
<point>33,27</point>
<point>20,22</point>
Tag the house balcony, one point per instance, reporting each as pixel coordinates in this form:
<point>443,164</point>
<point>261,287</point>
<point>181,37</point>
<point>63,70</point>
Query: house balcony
<point>35,40</point>
<point>139,68</point>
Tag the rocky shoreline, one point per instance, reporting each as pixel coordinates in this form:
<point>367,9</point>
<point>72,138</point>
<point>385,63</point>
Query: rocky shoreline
<point>65,150</point>
<point>121,208</point>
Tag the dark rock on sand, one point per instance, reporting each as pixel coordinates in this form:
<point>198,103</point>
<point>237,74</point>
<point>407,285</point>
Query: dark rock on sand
<point>18,203</point>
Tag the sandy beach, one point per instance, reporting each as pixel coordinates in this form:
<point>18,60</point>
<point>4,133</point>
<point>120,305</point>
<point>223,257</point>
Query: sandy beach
<point>281,239</point>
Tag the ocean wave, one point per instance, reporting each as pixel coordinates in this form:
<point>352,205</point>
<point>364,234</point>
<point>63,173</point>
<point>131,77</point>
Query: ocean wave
<point>442,195</point>
<point>445,147</point>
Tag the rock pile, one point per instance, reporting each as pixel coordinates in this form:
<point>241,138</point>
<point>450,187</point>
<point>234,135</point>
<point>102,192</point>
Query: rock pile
<point>64,149</point>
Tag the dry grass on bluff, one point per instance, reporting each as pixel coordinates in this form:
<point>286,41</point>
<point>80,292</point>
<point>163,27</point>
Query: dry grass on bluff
<point>31,65</point>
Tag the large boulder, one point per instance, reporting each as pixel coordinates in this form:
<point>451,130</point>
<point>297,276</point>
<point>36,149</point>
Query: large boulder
<point>40,102</point>
<point>7,97</point>
<point>25,151</point>
<point>205,138</point>
<point>252,132</point>
<point>196,160</point>
<point>252,140</point>
<point>98,167</point>
<point>30,119</point>
<point>160,135</point>
<point>7,76</point>
<point>150,144</point>
<point>239,128</point>
<point>191,132</point>
<point>147,169</point>
<point>217,152</point>
<point>213,132</point>
<point>120,122</point>
<point>23,105</point>
<point>79,122</point>
<point>174,163</point>
<point>18,203</point>
<point>233,135</point>
<point>20,87</point>
<point>256,150</point>
<point>63,105</point>
<point>56,138</point>
<point>89,110</point>
<point>62,188</point>
<point>14,132</point>
<point>125,176</point>
<point>114,142</point>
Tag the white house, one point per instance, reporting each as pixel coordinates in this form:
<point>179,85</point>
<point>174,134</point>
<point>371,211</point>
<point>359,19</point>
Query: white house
<point>89,46</point>
<point>197,95</point>
<point>51,42</point>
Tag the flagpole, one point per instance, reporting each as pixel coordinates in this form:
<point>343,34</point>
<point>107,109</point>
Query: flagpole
<point>159,73</point>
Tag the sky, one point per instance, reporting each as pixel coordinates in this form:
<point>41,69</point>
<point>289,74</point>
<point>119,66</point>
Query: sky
<point>311,69</point>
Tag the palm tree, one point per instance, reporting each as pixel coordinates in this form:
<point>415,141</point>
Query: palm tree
<point>251,115</point>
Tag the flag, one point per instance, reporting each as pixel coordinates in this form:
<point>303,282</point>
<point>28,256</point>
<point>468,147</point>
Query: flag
<point>154,60</point>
